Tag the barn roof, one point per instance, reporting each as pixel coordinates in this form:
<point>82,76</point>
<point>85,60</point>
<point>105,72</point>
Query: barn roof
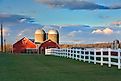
<point>51,41</point>
<point>23,39</point>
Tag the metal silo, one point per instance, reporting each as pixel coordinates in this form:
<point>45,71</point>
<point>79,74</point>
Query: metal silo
<point>53,35</point>
<point>40,36</point>
<point>115,44</point>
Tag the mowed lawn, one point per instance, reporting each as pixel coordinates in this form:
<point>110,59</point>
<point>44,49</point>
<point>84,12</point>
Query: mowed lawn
<point>51,68</point>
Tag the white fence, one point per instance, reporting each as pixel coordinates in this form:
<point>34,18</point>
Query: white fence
<point>102,56</point>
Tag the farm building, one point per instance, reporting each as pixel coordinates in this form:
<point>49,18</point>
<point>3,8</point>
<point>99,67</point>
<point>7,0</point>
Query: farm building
<point>41,42</point>
<point>48,44</point>
<point>23,44</point>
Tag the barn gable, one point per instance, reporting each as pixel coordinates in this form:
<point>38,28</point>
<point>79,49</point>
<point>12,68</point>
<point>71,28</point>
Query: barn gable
<point>21,45</point>
<point>48,44</point>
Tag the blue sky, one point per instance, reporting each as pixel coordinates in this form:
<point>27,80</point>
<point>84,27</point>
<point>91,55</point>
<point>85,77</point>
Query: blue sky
<point>81,21</point>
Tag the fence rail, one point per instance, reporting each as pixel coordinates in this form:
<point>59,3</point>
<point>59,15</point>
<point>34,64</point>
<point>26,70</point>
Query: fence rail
<point>102,56</point>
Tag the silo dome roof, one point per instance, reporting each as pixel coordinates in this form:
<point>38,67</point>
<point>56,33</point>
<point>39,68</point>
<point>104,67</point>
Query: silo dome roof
<point>39,31</point>
<point>52,32</point>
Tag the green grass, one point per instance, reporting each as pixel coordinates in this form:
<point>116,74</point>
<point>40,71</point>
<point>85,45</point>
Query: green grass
<point>50,68</point>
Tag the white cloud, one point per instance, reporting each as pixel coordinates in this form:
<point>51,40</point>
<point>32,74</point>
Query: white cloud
<point>67,25</point>
<point>116,23</point>
<point>115,5</point>
<point>71,41</point>
<point>104,31</point>
<point>12,19</point>
<point>74,33</point>
<point>4,15</point>
<point>117,32</point>
<point>77,4</point>
<point>97,31</point>
<point>48,27</point>
<point>25,31</point>
<point>22,20</point>
<point>108,31</point>
<point>73,4</point>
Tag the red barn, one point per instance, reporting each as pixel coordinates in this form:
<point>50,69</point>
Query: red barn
<point>22,45</point>
<point>48,44</point>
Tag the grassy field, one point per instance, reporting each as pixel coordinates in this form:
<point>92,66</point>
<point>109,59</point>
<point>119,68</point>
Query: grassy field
<point>50,68</point>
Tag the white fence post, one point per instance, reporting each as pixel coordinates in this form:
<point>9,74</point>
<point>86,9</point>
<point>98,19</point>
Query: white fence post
<point>80,54</point>
<point>89,57</point>
<point>73,53</point>
<point>84,54</point>
<point>109,57</point>
<point>48,51</point>
<point>76,54</point>
<point>64,52</point>
<point>119,61</point>
<point>61,55</point>
<point>94,56</point>
<point>70,53</point>
<point>58,52</point>
<point>101,56</point>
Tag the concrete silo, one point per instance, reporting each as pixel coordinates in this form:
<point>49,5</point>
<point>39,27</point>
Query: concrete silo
<point>40,36</point>
<point>53,35</point>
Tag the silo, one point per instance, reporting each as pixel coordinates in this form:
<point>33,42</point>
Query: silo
<point>115,44</point>
<point>40,36</point>
<point>53,35</point>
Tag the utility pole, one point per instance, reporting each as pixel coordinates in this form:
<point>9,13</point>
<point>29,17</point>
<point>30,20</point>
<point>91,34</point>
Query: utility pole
<point>4,45</point>
<point>1,38</point>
